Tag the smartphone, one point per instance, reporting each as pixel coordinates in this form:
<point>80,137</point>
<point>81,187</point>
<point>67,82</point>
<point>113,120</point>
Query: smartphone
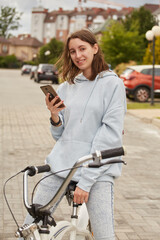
<point>49,89</point>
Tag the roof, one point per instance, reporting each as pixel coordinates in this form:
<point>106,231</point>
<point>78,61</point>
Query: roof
<point>102,27</point>
<point>51,16</point>
<point>25,41</point>
<point>139,68</point>
<point>156,12</point>
<point>151,7</point>
<point>3,40</point>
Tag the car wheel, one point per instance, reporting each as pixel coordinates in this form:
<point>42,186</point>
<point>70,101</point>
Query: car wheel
<point>142,94</point>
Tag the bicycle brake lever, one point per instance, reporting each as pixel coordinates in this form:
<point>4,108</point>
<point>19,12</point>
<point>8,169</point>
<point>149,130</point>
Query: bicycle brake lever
<point>31,170</point>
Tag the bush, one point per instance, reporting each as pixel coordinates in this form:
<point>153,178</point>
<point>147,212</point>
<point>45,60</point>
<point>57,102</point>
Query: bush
<point>122,66</point>
<point>9,61</point>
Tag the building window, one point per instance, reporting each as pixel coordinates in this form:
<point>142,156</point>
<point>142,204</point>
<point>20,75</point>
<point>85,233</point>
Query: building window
<point>60,34</point>
<point>48,25</point>
<point>4,48</point>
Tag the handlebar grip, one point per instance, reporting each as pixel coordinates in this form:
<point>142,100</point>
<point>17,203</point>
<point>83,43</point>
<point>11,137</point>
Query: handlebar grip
<point>44,168</point>
<point>112,152</point>
<point>32,170</point>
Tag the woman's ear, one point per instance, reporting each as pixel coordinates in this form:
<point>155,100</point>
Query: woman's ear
<point>95,47</point>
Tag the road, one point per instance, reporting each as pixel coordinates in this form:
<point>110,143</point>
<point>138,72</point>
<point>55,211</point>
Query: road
<point>25,140</point>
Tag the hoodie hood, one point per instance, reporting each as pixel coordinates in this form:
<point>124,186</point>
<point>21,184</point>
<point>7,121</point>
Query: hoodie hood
<point>81,78</point>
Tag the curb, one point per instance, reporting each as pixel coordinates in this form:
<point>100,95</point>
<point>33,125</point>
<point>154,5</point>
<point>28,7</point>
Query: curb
<point>155,121</point>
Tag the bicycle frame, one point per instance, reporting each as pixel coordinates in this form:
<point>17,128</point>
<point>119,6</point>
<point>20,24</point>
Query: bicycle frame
<point>77,226</point>
<point>61,189</point>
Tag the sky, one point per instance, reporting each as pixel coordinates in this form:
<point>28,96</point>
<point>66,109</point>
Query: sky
<point>26,7</point>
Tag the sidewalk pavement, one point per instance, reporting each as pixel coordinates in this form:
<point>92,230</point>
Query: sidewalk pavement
<point>147,115</point>
<point>25,141</point>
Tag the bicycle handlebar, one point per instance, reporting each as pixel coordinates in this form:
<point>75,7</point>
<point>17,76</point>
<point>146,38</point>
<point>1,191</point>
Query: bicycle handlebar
<point>96,157</point>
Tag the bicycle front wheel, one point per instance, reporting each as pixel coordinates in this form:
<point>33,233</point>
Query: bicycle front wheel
<point>66,231</point>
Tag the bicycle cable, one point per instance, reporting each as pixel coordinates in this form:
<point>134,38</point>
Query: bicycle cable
<point>4,193</point>
<point>49,176</point>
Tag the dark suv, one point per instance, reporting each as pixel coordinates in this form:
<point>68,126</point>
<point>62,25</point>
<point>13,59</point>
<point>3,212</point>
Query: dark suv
<point>46,72</point>
<point>138,82</point>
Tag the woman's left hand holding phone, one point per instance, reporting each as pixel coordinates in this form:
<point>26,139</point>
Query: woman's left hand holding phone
<point>54,107</point>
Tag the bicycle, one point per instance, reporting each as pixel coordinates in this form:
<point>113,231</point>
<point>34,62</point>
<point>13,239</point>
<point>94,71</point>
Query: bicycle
<point>49,229</point>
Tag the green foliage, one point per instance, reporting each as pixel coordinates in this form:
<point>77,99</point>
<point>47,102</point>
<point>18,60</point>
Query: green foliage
<point>148,57</point>
<point>119,45</point>
<point>122,66</point>
<point>9,61</point>
<point>136,105</point>
<point>9,20</point>
<point>140,20</point>
<point>55,48</point>
<point>125,41</point>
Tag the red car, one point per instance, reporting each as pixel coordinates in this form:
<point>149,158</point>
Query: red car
<point>138,82</point>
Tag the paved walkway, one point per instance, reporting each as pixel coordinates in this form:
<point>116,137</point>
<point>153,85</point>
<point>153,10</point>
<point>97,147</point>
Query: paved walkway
<point>147,115</point>
<point>25,140</point>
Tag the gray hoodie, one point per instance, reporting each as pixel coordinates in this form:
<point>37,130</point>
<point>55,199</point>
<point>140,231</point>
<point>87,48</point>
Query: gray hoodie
<point>92,120</point>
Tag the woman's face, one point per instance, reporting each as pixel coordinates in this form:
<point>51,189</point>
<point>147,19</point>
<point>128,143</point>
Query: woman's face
<point>82,54</point>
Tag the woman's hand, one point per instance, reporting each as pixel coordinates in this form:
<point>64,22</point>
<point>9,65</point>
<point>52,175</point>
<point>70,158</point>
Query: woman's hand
<point>80,196</point>
<point>54,107</point>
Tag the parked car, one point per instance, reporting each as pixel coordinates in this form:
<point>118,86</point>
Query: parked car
<point>32,72</point>
<point>46,72</point>
<point>138,82</point>
<point>26,69</point>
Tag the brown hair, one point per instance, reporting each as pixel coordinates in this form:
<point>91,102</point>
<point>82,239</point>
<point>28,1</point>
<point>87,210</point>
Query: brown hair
<point>68,69</point>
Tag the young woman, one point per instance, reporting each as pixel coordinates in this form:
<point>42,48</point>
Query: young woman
<point>92,120</point>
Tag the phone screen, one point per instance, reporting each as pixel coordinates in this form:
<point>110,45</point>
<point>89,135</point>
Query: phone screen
<point>49,89</point>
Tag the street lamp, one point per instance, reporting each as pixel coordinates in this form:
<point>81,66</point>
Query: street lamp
<point>150,36</point>
<point>47,53</point>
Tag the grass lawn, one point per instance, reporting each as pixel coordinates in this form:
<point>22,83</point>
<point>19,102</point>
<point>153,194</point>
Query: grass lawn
<point>137,105</point>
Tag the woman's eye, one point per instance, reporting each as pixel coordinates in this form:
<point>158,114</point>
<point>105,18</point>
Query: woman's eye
<point>82,49</point>
<point>71,52</point>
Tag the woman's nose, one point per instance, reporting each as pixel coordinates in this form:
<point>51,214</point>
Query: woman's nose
<point>78,54</point>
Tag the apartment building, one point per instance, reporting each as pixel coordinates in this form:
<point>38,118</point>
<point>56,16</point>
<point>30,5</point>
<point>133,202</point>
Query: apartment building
<point>58,24</point>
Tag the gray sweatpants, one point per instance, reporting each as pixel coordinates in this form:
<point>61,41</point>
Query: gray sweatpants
<point>100,205</point>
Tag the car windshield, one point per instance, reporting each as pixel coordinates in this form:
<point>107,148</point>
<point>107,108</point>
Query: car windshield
<point>48,67</point>
<point>34,68</point>
<point>127,71</point>
<point>26,66</point>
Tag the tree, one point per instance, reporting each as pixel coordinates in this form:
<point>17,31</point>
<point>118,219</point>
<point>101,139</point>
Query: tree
<point>148,57</point>
<point>9,20</point>
<point>140,20</point>
<point>119,45</point>
<point>54,48</point>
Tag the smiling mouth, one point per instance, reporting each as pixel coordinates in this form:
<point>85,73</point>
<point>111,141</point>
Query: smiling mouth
<point>80,62</point>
